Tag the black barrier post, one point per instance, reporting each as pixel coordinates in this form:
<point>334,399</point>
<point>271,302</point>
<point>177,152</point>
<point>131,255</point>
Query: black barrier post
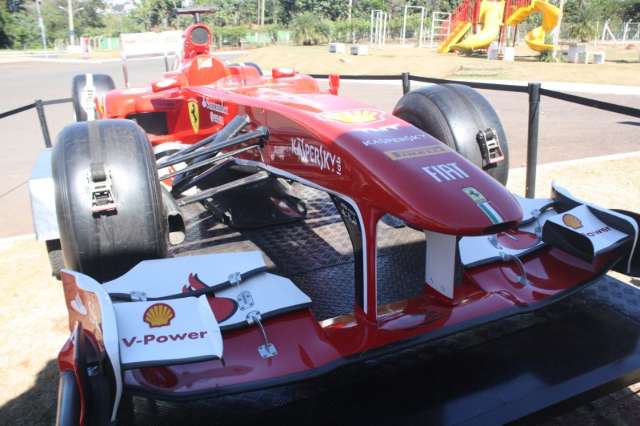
<point>406,83</point>
<point>532,139</point>
<point>43,123</point>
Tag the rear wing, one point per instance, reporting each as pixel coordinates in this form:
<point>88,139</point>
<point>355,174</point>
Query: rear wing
<point>150,45</point>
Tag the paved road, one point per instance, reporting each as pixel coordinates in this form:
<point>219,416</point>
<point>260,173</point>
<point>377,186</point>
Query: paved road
<point>567,131</point>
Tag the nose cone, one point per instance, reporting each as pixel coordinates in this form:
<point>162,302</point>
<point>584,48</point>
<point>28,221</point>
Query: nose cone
<point>422,181</point>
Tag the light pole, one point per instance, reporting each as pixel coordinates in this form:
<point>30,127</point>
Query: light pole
<point>69,10</point>
<point>43,32</point>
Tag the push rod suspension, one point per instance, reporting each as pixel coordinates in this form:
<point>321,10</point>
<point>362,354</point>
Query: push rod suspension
<point>260,133</point>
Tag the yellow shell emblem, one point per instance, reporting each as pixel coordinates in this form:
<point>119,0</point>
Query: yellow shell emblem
<point>572,221</point>
<point>158,315</point>
<point>353,116</point>
<point>194,116</point>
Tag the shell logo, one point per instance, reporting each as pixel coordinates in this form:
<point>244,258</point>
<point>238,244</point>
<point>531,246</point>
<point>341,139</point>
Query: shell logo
<point>572,221</point>
<point>353,116</point>
<point>158,315</point>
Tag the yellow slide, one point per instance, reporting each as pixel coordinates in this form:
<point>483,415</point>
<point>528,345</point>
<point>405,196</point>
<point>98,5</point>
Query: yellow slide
<point>491,19</point>
<point>454,37</point>
<point>535,38</point>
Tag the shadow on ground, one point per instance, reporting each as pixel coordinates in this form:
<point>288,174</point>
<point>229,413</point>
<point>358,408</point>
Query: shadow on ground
<point>37,405</point>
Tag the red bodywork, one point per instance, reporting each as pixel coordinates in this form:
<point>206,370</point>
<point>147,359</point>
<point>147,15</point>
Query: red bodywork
<point>374,161</point>
<point>377,164</point>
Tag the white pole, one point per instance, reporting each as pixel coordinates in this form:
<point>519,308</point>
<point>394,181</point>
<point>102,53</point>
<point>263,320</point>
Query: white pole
<point>384,29</point>
<point>371,28</point>
<point>421,26</point>
<point>72,34</point>
<point>378,28</point>
<point>378,25</point>
<point>404,25</point>
<point>43,32</point>
<point>626,30</point>
<point>433,19</point>
<point>556,31</point>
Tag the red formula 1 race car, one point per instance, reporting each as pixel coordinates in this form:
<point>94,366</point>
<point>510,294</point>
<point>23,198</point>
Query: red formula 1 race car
<point>319,208</point>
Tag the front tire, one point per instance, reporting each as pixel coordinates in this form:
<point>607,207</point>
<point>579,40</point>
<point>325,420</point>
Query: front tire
<point>106,244</point>
<point>455,114</point>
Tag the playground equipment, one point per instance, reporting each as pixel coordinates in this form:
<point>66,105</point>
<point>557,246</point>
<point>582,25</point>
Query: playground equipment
<point>494,17</point>
<point>535,38</point>
<point>404,24</point>
<point>440,27</point>
<point>491,20</point>
<point>378,28</point>
<point>630,31</point>
<point>461,19</point>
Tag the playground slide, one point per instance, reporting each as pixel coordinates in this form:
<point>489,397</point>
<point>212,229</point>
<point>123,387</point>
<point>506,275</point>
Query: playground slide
<point>458,32</point>
<point>491,19</point>
<point>535,38</point>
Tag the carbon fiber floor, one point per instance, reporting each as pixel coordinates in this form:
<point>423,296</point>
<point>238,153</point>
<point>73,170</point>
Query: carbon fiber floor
<point>316,254</point>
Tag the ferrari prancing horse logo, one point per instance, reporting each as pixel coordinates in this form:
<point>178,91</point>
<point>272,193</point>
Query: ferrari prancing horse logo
<point>194,116</point>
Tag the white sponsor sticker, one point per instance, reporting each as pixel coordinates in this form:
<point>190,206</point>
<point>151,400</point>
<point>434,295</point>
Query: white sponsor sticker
<point>581,220</point>
<point>379,129</point>
<point>215,106</point>
<point>215,118</point>
<point>393,139</point>
<point>445,172</point>
<point>169,331</point>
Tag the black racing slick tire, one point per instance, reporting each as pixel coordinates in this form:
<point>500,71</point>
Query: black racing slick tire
<point>455,114</point>
<point>106,239</point>
<point>102,83</point>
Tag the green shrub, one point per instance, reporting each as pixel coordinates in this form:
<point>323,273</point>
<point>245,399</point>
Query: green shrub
<point>309,29</point>
<point>347,32</point>
<point>230,34</point>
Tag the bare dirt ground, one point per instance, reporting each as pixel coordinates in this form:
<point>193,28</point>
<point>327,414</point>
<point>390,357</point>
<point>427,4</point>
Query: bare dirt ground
<point>620,68</point>
<point>34,328</point>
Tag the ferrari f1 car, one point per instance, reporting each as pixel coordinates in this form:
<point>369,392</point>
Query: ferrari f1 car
<point>246,147</point>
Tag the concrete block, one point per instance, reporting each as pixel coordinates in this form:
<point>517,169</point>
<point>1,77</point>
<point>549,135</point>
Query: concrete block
<point>359,49</point>
<point>337,48</point>
<point>597,57</point>
<point>575,49</point>
<point>509,54</point>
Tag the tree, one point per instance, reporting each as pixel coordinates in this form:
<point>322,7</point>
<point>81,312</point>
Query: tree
<point>157,14</point>
<point>5,40</point>
<point>308,29</point>
<point>631,10</point>
<point>580,16</point>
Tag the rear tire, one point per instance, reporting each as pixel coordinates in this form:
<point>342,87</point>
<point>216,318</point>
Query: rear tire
<point>102,83</point>
<point>106,245</point>
<point>454,114</point>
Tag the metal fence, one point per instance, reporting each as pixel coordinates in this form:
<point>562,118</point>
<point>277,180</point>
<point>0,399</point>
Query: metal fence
<point>534,91</point>
<point>39,105</point>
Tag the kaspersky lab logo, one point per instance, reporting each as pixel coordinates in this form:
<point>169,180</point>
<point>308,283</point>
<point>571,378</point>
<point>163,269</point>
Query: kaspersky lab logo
<point>158,315</point>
